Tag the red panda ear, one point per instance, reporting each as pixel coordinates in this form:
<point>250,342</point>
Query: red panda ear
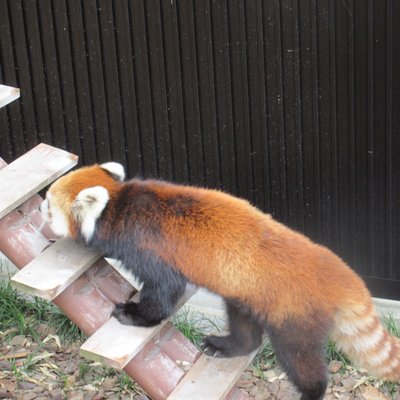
<point>89,203</point>
<point>87,208</point>
<point>115,169</point>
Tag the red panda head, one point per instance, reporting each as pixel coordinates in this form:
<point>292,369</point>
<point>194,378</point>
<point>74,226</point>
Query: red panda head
<point>75,201</point>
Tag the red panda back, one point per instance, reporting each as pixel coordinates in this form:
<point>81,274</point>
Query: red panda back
<point>284,275</point>
<point>301,290</point>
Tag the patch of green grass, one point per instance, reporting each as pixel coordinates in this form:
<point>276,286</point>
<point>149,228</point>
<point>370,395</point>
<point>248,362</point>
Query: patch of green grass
<point>392,389</point>
<point>333,354</point>
<point>65,328</point>
<point>29,363</point>
<point>188,327</point>
<point>392,325</point>
<point>264,360</point>
<point>23,315</point>
<point>193,325</point>
<point>84,367</point>
<point>19,312</point>
<point>125,383</point>
<point>16,370</point>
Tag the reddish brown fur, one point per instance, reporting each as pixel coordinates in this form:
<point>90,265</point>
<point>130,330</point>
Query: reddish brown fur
<point>235,250</point>
<point>250,252</point>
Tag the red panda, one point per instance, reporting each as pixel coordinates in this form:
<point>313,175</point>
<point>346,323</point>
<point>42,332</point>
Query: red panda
<point>273,279</point>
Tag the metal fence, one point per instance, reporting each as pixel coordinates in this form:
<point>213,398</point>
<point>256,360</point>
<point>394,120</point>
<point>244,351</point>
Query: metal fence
<point>292,104</point>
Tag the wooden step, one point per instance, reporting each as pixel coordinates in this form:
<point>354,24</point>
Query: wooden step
<point>55,269</point>
<point>30,173</point>
<point>211,378</point>
<point>8,94</point>
<point>115,344</point>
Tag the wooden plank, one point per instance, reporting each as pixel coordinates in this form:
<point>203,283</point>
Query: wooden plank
<point>190,91</point>
<point>30,173</point>
<point>8,94</point>
<point>38,74</point>
<point>223,95</point>
<point>93,45</point>
<point>111,78</point>
<point>207,94</point>
<point>158,88</point>
<point>11,121</point>
<point>58,57</point>
<point>240,98</point>
<point>211,378</point>
<point>53,270</point>
<point>28,137</point>
<point>257,99</point>
<point>129,108</point>
<point>173,75</point>
<point>115,344</point>
<point>141,71</point>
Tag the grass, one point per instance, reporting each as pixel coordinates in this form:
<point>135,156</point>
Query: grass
<point>23,316</point>
<point>394,329</point>
<point>392,326</point>
<point>264,360</point>
<point>84,367</point>
<point>333,354</point>
<point>194,325</point>
<point>191,326</point>
<point>20,315</point>
<point>125,383</point>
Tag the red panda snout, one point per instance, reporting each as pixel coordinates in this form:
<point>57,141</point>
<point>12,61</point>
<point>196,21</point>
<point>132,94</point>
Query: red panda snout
<point>57,221</point>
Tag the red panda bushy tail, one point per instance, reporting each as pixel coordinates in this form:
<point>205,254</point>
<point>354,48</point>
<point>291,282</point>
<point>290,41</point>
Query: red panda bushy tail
<point>359,333</point>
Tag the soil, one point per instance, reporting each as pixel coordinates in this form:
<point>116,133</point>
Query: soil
<point>47,369</point>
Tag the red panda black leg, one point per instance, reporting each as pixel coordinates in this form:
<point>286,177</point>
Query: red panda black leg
<point>130,314</point>
<point>157,302</point>
<point>245,334</point>
<point>300,351</point>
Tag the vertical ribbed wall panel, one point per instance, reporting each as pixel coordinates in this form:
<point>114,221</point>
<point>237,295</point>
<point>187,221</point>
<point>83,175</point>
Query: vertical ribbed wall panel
<point>291,104</point>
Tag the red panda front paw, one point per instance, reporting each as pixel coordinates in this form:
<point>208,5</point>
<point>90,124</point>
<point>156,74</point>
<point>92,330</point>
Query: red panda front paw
<point>219,346</point>
<point>130,313</point>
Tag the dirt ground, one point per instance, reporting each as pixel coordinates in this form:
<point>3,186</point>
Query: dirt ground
<point>46,369</point>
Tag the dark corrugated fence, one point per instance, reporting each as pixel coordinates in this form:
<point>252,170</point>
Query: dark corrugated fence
<point>293,104</point>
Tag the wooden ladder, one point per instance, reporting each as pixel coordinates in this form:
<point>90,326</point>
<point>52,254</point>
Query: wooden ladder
<point>81,282</point>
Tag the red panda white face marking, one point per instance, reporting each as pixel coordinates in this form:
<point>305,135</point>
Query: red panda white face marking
<point>88,206</point>
<point>54,217</point>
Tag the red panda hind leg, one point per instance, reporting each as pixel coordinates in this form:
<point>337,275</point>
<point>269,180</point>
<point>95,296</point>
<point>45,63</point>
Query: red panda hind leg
<point>245,334</point>
<point>300,349</point>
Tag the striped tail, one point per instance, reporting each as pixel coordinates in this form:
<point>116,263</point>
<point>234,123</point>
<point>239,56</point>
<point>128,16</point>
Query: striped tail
<point>359,333</point>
